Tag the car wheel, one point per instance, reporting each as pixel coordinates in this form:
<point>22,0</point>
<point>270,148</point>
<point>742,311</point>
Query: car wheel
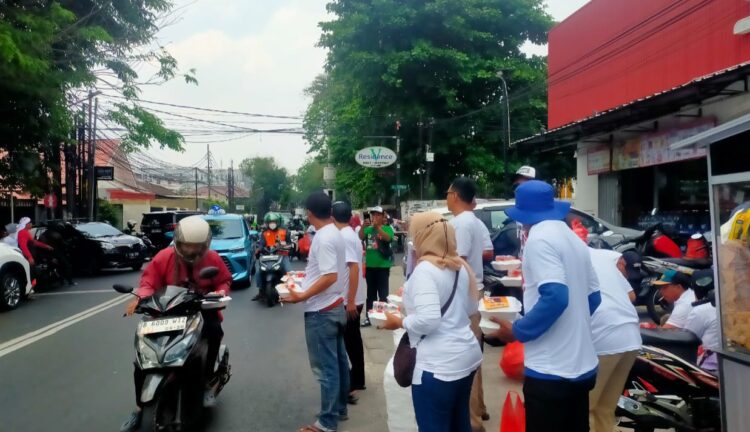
<point>11,289</point>
<point>137,267</point>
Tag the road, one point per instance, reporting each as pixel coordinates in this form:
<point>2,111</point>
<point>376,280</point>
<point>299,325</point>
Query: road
<point>66,363</point>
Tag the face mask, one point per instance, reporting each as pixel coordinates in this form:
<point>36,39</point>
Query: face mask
<point>272,226</point>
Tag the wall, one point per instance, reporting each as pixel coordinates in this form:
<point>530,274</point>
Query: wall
<point>132,210</point>
<point>587,186</point>
<point>612,52</point>
<point>180,203</point>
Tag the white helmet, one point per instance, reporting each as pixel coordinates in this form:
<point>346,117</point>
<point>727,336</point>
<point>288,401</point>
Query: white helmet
<point>193,230</point>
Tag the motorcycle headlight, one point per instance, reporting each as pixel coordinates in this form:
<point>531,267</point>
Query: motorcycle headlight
<point>177,355</point>
<point>147,355</point>
<point>107,246</point>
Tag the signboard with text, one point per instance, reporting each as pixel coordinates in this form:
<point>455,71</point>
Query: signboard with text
<point>105,172</point>
<point>375,157</point>
<point>599,159</point>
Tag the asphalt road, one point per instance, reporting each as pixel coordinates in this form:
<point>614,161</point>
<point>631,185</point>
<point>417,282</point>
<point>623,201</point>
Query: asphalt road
<point>66,363</point>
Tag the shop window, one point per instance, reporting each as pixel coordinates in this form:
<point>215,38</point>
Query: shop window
<point>730,156</point>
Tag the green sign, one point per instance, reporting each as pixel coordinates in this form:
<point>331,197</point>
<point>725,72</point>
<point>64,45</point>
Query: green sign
<point>399,187</point>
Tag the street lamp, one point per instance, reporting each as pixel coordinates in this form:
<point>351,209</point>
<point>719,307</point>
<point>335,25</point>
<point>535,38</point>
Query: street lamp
<point>507,124</point>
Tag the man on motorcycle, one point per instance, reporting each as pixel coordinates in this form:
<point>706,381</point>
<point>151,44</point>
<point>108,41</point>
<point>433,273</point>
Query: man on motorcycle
<point>181,265</point>
<point>675,288</point>
<point>272,236</point>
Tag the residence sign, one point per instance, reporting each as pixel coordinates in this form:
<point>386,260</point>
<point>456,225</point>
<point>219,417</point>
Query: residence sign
<point>375,157</point>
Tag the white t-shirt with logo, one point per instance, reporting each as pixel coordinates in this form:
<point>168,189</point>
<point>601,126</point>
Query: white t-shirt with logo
<point>353,254</point>
<point>614,325</point>
<point>682,308</point>
<point>554,254</point>
<point>472,238</point>
<point>703,321</point>
<point>326,257</point>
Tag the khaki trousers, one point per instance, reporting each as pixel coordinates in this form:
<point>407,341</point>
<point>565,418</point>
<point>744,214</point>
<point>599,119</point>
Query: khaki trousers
<point>477,409</point>
<point>610,381</point>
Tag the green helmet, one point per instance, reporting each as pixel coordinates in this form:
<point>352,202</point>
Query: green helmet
<point>272,217</point>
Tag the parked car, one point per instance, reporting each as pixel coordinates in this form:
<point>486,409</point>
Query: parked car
<point>235,243</point>
<point>159,226</point>
<point>93,246</point>
<point>15,277</point>
<point>503,229</point>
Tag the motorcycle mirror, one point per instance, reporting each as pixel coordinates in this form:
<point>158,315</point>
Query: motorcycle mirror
<point>209,273</point>
<point>123,289</point>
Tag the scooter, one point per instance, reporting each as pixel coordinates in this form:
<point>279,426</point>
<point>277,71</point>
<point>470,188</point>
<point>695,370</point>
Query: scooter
<point>150,248</point>
<point>171,356</point>
<point>271,272</point>
<point>665,389</point>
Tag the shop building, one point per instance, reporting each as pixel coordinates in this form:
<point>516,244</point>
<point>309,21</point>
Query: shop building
<point>627,80</point>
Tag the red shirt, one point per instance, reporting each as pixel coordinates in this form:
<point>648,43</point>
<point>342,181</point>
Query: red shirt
<point>161,272</point>
<point>24,238</point>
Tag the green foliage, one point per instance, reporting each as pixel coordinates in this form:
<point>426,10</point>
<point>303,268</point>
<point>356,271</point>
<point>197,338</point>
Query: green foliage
<point>271,183</point>
<point>109,213</point>
<point>207,203</point>
<point>309,178</point>
<point>431,67</point>
<point>52,53</point>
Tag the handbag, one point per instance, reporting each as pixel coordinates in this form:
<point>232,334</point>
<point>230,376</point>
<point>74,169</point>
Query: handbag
<point>406,357</point>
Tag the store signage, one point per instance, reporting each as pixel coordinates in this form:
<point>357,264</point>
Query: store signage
<point>105,172</point>
<point>239,207</point>
<point>375,157</point>
<point>329,173</point>
<point>654,149</point>
<point>50,201</point>
<point>599,159</point>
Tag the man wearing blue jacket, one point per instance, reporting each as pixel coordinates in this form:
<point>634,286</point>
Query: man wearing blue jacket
<point>561,292</point>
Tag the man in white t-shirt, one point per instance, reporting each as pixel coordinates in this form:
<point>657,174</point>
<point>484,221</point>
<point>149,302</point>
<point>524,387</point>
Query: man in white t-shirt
<point>323,292</point>
<point>674,287</point>
<point>703,320</point>
<point>561,292</point>
<point>354,300</point>
<point>472,241</point>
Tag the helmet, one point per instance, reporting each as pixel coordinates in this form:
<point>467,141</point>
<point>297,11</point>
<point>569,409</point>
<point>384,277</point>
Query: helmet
<point>272,217</point>
<point>192,230</point>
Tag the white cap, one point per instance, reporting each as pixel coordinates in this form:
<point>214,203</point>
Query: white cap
<point>376,209</point>
<point>526,171</point>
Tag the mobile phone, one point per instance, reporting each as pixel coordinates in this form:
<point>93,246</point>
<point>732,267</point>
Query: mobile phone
<point>367,216</point>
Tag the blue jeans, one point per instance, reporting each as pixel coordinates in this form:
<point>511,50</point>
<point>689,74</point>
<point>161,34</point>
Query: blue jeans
<point>442,406</point>
<point>324,333</point>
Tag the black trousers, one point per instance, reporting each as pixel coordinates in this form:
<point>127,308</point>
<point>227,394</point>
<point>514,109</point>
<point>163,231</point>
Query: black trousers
<point>356,352</point>
<point>377,284</point>
<point>561,406</point>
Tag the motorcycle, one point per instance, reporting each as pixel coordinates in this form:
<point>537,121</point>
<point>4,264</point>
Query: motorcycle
<point>665,389</point>
<point>271,272</point>
<point>171,356</point>
<point>130,230</point>
<point>294,237</point>
<point>655,255</point>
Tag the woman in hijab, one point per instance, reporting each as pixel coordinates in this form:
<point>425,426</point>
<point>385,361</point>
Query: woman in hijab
<point>25,239</point>
<point>438,325</point>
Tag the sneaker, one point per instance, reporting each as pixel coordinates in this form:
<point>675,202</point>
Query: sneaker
<point>259,297</point>
<point>132,423</point>
<point>209,399</point>
<point>366,323</point>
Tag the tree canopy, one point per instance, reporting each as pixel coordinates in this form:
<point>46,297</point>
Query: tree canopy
<point>427,71</point>
<point>52,53</point>
<point>270,187</point>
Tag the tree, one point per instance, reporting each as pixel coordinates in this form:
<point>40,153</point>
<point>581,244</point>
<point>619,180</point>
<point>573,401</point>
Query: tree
<point>53,53</point>
<point>427,69</point>
<point>270,183</point>
<point>309,178</point>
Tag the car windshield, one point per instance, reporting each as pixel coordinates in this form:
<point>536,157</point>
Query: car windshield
<point>98,230</point>
<point>225,229</point>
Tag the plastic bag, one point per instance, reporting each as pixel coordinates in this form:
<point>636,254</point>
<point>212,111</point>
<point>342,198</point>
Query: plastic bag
<point>511,361</point>
<point>513,417</point>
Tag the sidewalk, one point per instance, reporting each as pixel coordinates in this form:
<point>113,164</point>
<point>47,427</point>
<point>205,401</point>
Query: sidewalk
<point>370,414</point>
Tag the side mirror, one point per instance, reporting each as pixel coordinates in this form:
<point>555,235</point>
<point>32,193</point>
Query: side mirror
<point>209,272</point>
<point>600,228</point>
<point>123,289</point>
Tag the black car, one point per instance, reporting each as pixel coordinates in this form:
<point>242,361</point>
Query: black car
<point>93,246</point>
<point>159,226</point>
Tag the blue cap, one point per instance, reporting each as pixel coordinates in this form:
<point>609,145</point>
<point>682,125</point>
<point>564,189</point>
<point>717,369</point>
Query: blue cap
<point>535,202</point>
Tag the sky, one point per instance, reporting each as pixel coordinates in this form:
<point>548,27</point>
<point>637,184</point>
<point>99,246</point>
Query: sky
<point>250,56</point>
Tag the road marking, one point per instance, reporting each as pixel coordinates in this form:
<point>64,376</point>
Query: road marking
<point>74,292</point>
<point>37,335</point>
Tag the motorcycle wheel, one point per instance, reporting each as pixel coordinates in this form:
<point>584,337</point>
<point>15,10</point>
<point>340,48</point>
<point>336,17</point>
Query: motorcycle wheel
<point>272,297</point>
<point>149,421</point>
<point>657,307</point>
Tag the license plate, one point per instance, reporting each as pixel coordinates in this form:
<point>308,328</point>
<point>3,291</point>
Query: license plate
<point>162,325</point>
<point>132,254</point>
<point>155,230</point>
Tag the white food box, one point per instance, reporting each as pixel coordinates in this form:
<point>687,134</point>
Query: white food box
<point>397,300</point>
<point>511,282</point>
<point>509,313</point>
<point>506,265</point>
<point>488,326</point>
<point>283,290</point>
<point>378,318</point>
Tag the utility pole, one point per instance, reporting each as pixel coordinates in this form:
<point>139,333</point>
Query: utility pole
<point>506,174</point>
<point>92,158</point>
<point>196,189</point>
<point>230,186</point>
<point>208,161</point>
<point>429,157</point>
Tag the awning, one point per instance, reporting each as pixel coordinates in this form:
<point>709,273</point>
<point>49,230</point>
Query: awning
<point>723,131</point>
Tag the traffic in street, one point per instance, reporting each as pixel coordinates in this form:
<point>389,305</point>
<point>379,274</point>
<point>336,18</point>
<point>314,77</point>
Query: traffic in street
<point>66,355</point>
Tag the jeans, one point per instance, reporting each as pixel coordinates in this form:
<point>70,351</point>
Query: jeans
<point>324,333</point>
<point>442,406</point>
<point>353,342</point>
<point>286,267</point>
<point>552,403</point>
<point>377,284</point>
